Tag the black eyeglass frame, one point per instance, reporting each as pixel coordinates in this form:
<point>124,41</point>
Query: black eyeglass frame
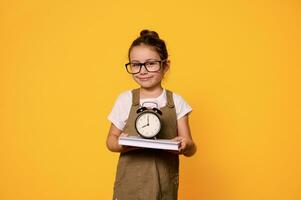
<point>143,64</point>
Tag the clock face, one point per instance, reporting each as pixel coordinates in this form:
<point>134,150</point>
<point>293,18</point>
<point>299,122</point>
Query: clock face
<point>148,124</point>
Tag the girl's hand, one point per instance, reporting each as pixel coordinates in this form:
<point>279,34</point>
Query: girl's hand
<point>126,148</point>
<point>123,135</point>
<point>186,145</point>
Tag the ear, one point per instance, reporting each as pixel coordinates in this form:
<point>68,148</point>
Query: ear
<point>166,66</point>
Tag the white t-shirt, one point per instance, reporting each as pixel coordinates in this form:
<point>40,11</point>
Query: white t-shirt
<point>122,107</point>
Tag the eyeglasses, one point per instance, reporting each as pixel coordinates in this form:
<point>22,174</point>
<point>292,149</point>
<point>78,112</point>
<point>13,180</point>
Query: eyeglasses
<point>150,66</point>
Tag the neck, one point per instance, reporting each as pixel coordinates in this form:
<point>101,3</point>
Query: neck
<point>146,93</point>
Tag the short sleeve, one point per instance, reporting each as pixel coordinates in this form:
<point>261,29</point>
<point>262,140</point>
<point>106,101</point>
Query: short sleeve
<point>121,109</point>
<point>182,107</point>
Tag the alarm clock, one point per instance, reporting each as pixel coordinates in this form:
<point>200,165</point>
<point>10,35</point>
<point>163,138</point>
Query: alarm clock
<point>148,122</point>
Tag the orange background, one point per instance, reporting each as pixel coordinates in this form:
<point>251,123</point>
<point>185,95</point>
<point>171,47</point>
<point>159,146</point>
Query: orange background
<point>236,62</point>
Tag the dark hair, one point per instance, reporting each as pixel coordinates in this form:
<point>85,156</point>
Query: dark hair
<point>150,38</point>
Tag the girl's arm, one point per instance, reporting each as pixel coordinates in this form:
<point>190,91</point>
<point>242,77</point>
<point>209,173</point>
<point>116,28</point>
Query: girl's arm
<point>188,147</point>
<point>112,140</point>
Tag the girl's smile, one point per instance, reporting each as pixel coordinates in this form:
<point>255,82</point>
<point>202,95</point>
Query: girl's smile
<point>144,78</point>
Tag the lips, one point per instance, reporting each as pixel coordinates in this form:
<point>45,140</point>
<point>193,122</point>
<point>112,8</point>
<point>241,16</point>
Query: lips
<point>144,78</point>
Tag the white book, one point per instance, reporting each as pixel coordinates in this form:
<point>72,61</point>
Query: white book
<point>137,141</point>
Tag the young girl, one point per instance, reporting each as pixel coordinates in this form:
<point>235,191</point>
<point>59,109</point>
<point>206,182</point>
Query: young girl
<point>149,174</point>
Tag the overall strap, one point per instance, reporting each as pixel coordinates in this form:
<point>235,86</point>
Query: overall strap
<point>136,97</point>
<point>170,102</point>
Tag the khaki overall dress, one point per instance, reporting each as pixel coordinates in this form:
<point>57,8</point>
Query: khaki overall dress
<point>149,174</point>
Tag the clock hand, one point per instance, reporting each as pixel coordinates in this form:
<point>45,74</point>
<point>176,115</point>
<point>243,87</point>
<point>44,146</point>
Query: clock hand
<point>147,123</point>
<point>144,126</point>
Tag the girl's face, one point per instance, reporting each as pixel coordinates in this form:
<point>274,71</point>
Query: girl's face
<point>142,54</point>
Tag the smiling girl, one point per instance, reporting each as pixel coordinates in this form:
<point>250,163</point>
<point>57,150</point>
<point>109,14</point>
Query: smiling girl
<point>149,174</point>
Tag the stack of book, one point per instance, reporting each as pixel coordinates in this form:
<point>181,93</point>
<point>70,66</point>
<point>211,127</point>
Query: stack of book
<point>137,141</point>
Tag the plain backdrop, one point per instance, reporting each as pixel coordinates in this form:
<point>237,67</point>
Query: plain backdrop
<point>237,63</point>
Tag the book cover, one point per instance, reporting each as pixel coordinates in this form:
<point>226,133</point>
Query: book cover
<point>137,141</point>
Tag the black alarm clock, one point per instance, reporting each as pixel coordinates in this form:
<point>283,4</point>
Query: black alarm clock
<point>148,122</point>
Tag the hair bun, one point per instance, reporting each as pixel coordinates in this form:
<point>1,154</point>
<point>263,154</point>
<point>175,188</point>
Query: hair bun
<point>145,33</point>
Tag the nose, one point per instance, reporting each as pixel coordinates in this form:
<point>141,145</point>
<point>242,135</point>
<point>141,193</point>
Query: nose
<point>143,69</point>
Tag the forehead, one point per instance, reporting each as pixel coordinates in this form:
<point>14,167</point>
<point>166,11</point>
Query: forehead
<point>143,52</point>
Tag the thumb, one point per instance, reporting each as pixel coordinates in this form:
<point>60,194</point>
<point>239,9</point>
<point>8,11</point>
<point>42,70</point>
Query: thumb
<point>177,139</point>
<point>124,134</point>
